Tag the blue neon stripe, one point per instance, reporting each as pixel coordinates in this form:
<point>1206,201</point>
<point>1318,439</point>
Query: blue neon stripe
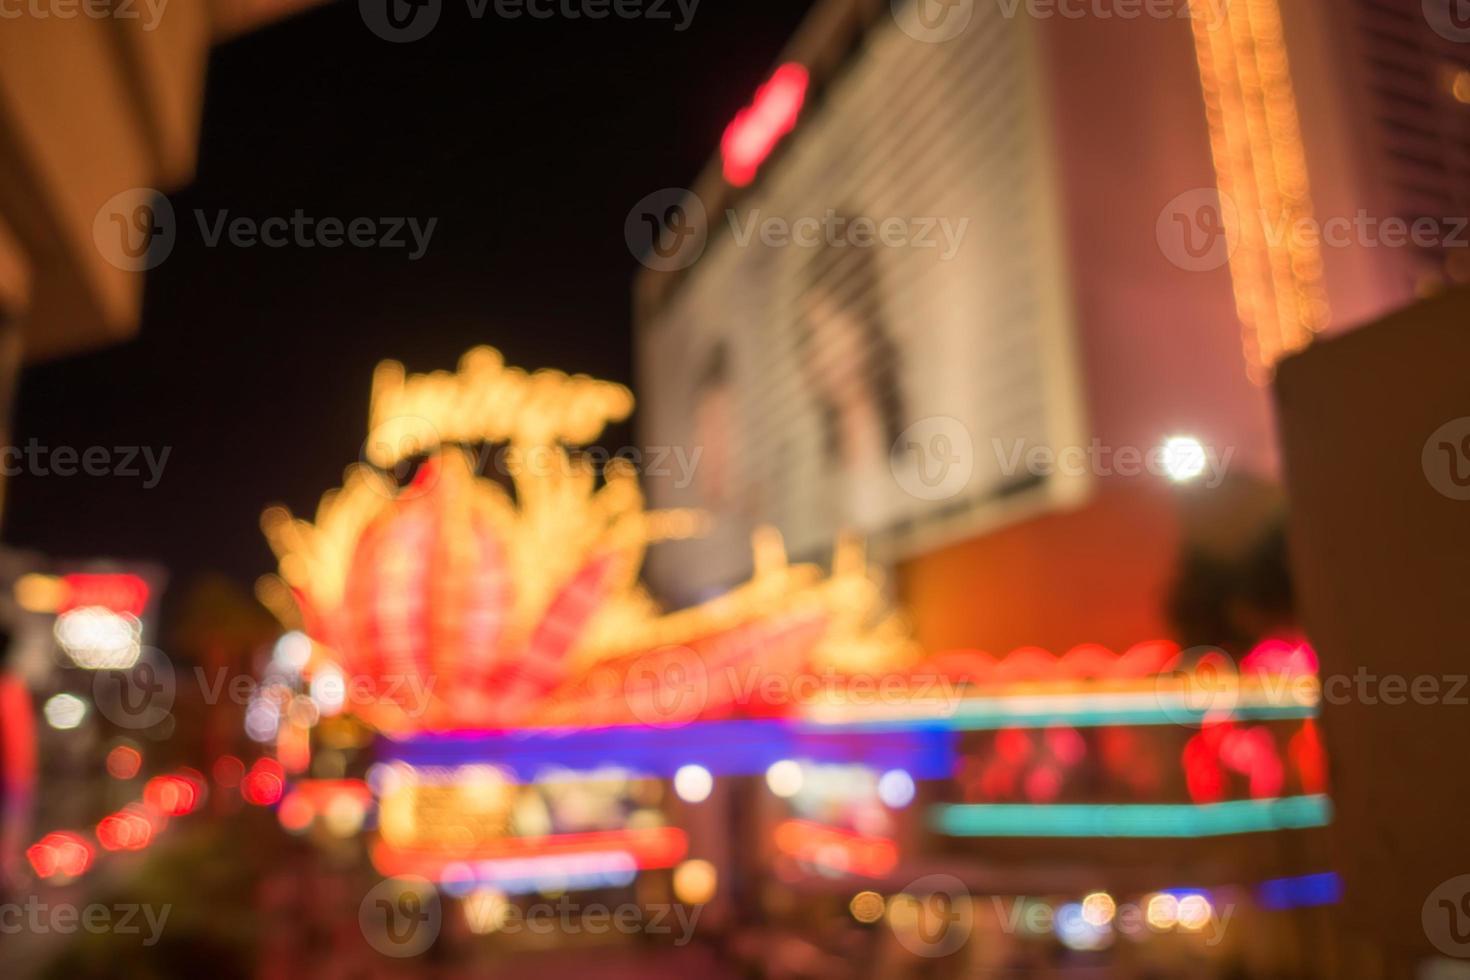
<point>1131,820</point>
<point>1303,891</point>
<point>725,748</point>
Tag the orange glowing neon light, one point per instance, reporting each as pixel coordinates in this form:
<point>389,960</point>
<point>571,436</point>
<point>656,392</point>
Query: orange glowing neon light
<point>1261,169</point>
<point>835,849</point>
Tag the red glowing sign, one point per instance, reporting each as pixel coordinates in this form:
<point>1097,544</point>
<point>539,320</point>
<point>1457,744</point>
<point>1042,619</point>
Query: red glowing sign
<point>121,593</point>
<point>757,128</point>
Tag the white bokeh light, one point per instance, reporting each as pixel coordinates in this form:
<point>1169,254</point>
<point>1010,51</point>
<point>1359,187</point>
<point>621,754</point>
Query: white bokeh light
<point>693,784</point>
<point>785,778</point>
<point>896,788</point>
<point>65,711</point>
<point>1184,458</point>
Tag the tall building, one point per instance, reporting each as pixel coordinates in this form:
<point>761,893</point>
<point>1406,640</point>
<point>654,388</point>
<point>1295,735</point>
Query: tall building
<point>1000,286</point>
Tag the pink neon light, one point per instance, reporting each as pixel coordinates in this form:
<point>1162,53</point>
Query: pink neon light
<point>756,129</point>
<point>1286,658</point>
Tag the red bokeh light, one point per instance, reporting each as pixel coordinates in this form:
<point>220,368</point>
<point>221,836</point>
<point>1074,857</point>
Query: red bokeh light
<point>264,784</point>
<point>129,829</point>
<point>61,853</point>
<point>175,795</point>
<point>124,761</point>
<point>296,812</point>
<point>756,129</point>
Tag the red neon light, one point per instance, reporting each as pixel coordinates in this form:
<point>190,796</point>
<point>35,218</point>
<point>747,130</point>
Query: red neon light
<point>121,593</point>
<point>174,796</point>
<point>264,784</point>
<point>61,853</point>
<point>1033,665</point>
<point>756,129</point>
<point>840,850</point>
<point>650,847</point>
<point>17,761</point>
<point>1251,752</point>
<point>129,829</point>
<point>1288,658</point>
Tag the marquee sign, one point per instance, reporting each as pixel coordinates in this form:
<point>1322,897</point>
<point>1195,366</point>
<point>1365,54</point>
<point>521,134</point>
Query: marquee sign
<point>522,607</point>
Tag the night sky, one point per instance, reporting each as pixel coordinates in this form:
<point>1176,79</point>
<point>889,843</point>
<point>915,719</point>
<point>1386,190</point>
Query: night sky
<point>529,140</point>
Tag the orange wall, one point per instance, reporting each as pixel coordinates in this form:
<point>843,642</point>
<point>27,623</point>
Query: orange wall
<point>1094,575</point>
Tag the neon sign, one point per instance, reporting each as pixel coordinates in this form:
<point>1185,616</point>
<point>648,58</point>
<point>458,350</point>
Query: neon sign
<point>756,129</point>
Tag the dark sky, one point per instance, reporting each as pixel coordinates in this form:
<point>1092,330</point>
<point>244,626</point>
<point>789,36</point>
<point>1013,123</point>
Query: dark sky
<point>529,140</point>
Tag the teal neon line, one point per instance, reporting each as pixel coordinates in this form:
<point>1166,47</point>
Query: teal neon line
<point>983,718</point>
<point>1130,820</point>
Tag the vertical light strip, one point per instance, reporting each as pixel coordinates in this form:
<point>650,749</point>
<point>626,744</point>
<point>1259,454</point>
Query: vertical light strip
<point>1261,167</point>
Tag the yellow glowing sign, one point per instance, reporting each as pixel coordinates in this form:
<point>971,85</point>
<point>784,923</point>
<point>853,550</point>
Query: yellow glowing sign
<point>485,401</point>
<point>458,810</point>
<point>555,523</point>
